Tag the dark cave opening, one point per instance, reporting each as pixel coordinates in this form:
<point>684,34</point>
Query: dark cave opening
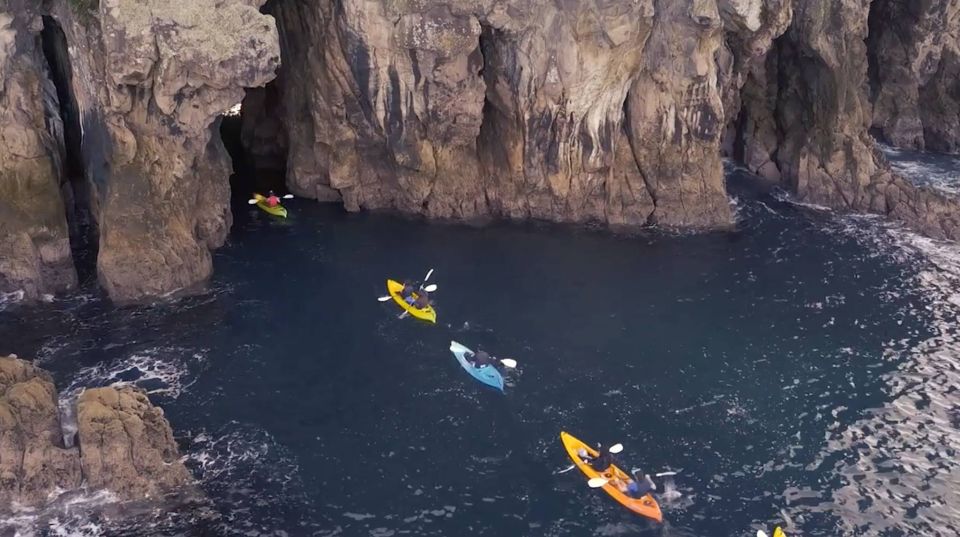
<point>64,123</point>
<point>255,138</point>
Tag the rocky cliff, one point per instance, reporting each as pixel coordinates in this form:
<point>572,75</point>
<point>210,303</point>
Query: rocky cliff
<point>34,239</point>
<point>574,111</point>
<point>914,53</point>
<point>124,444</point>
<point>602,111</point>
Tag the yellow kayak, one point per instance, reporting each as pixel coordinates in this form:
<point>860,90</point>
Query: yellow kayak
<point>279,210</point>
<point>645,505</point>
<point>425,314</point>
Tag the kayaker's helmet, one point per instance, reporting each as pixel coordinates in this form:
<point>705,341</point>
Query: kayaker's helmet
<point>583,453</point>
<point>632,487</point>
<point>271,193</point>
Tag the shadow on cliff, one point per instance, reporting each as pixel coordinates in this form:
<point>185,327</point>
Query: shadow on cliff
<point>63,121</point>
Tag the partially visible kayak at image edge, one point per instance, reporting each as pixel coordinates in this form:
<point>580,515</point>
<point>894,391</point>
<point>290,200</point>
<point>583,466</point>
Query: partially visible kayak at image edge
<point>425,314</point>
<point>487,374</point>
<point>276,210</point>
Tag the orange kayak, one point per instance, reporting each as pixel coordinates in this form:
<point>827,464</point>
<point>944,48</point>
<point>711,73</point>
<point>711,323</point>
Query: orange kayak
<point>645,506</point>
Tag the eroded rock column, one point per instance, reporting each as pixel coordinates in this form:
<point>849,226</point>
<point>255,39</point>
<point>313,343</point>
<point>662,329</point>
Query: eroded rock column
<point>35,252</point>
<point>152,78</point>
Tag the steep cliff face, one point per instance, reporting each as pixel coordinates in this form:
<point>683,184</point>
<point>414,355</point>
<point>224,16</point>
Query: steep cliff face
<point>152,78</point>
<point>34,239</point>
<point>578,111</point>
<point>914,52</point>
<point>805,120</point>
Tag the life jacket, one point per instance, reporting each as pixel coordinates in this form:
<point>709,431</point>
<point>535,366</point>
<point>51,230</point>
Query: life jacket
<point>273,201</point>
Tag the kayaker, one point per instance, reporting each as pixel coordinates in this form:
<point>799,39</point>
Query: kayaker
<point>407,292</point>
<point>603,461</point>
<point>272,200</point>
<point>423,299</point>
<point>482,358</point>
<point>639,488</point>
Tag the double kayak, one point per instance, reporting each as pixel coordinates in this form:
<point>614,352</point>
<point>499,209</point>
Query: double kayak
<point>486,374</point>
<point>425,314</point>
<point>277,210</point>
<point>645,505</point>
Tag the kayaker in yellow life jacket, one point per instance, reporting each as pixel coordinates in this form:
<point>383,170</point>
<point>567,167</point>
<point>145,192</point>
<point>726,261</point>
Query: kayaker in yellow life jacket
<point>272,200</point>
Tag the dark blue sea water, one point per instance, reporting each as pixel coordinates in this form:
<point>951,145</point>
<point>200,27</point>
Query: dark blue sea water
<point>802,370</point>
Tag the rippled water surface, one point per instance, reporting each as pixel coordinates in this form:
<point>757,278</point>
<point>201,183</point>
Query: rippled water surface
<point>802,370</point>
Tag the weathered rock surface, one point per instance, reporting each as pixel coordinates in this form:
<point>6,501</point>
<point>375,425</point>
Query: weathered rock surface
<point>152,78</point>
<point>126,444</point>
<point>34,239</point>
<point>580,111</point>
<point>805,120</point>
<point>33,461</point>
<point>914,52</point>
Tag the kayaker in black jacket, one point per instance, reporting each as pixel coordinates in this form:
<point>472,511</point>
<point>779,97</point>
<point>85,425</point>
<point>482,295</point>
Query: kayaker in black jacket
<point>482,358</point>
<point>423,299</point>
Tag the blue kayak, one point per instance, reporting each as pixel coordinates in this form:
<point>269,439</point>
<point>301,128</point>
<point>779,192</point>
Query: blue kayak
<point>486,374</point>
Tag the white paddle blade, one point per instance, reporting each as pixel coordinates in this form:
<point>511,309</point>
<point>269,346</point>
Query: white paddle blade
<point>384,298</point>
<point>251,202</point>
<point>430,288</point>
<point>428,275</point>
<point>508,362</point>
<point>616,448</point>
<point>597,482</point>
<point>666,474</point>
<point>567,469</point>
<point>761,533</point>
<point>288,197</point>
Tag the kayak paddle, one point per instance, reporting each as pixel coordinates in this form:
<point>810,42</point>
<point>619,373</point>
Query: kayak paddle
<point>384,298</point>
<point>428,276</point>
<point>761,533</point>
<point>288,196</point>
<point>509,362</point>
<point>567,469</point>
<point>430,288</point>
<point>616,448</point>
<point>597,482</point>
<point>251,202</point>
